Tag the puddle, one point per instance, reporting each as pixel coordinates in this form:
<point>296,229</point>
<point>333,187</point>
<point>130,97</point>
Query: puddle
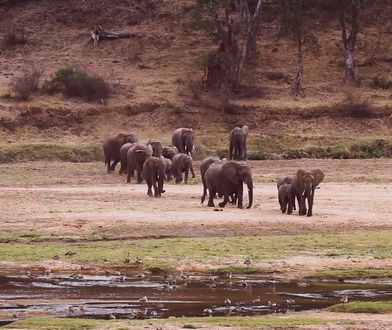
<point>101,296</point>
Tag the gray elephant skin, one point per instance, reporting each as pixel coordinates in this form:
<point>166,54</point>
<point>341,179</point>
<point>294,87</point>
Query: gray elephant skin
<point>112,146</point>
<point>227,178</point>
<point>286,196</point>
<point>154,174</point>
<point>136,156</point>
<point>168,168</point>
<point>156,147</point>
<point>123,157</point>
<point>237,143</point>
<point>183,139</point>
<point>182,164</point>
<point>169,152</point>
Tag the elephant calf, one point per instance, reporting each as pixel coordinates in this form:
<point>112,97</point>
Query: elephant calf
<point>182,163</point>
<point>204,165</point>
<point>169,152</point>
<point>123,157</point>
<point>286,196</point>
<point>154,174</point>
<point>285,180</point>
<point>156,147</point>
<point>168,168</point>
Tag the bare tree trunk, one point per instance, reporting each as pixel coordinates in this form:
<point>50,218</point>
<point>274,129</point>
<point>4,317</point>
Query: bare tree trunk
<point>349,41</point>
<point>300,65</point>
<point>251,31</point>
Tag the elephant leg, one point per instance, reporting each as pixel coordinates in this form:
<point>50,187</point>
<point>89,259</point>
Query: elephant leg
<point>240,194</point>
<point>129,170</point>
<point>149,190</point>
<point>114,165</point>
<point>225,200</point>
<point>193,173</point>
<point>186,175</point>
<point>157,193</point>
<point>203,197</point>
<point>245,152</point>
<point>231,151</point>
<point>302,206</point>
<point>107,161</point>
<point>211,193</point>
<point>310,202</point>
<point>284,204</point>
<point>139,174</point>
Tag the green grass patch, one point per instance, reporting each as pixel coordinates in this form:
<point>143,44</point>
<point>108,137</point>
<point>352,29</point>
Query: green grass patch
<point>77,152</point>
<point>335,274</point>
<point>220,254</point>
<point>186,323</point>
<point>373,307</point>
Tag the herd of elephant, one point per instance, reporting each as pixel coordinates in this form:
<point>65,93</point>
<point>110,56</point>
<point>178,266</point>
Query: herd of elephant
<point>221,177</point>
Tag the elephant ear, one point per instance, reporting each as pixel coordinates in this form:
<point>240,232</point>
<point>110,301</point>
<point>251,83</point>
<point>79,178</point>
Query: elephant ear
<point>318,176</point>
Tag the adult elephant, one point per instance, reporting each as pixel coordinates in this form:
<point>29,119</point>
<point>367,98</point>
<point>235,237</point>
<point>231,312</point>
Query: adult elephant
<point>226,179</point>
<point>154,174</point>
<point>183,139</point>
<point>136,156</point>
<point>305,184</point>
<point>111,148</point>
<point>237,143</point>
<point>204,165</point>
<point>123,157</point>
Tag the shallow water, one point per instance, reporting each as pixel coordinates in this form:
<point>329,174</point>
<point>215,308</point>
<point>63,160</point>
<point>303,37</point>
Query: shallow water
<point>100,296</point>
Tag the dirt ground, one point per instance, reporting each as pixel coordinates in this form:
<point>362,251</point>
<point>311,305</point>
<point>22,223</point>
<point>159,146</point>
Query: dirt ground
<point>77,200</point>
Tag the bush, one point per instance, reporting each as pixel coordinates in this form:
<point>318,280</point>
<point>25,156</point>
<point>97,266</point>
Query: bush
<point>27,82</point>
<point>77,83</point>
<point>15,37</point>
<point>382,82</point>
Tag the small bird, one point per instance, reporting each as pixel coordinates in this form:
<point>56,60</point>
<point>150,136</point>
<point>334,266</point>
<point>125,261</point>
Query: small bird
<point>227,302</point>
<point>302,285</point>
<point>184,276</point>
<point>70,253</point>
<point>153,314</point>
<point>56,257</point>
<point>344,300</point>
<point>211,279</point>
<point>256,301</point>
<point>272,304</point>
<point>228,275</point>
<point>140,276</point>
<point>127,260</point>
<point>112,317</point>
<point>143,299</point>
<point>82,309</point>
<point>248,262</point>
<point>290,302</point>
<point>138,261</point>
<point>15,316</point>
<point>244,284</point>
<point>71,310</point>
<point>207,311</point>
<point>47,272</point>
<point>28,274</point>
<point>122,278</point>
<point>117,273</point>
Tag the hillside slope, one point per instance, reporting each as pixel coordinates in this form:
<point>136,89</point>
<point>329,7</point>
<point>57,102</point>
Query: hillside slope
<point>153,101</point>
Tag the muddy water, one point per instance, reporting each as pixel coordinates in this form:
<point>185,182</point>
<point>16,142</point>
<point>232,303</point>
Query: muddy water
<point>101,296</point>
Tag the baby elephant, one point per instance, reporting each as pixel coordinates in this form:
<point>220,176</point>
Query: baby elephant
<point>154,174</point>
<point>286,196</point>
<point>182,163</point>
<point>168,168</point>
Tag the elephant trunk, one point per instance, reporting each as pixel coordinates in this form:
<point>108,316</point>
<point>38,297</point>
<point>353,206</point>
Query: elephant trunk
<point>250,193</point>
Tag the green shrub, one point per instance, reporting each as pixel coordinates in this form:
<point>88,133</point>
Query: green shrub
<point>27,82</point>
<point>74,82</point>
<point>371,149</point>
<point>382,82</point>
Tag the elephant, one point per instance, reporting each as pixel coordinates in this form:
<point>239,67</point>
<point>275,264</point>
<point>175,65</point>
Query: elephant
<point>111,148</point>
<point>286,195</point>
<point>183,139</point>
<point>305,184</point>
<point>136,156</point>
<point>285,180</point>
<point>237,143</point>
<point>182,163</point>
<point>169,152</point>
<point>204,165</point>
<point>168,168</point>
<point>154,174</point>
<point>123,157</point>
<point>156,147</point>
<point>227,178</point>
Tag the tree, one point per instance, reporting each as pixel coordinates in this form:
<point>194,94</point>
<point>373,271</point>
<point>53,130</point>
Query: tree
<point>236,28</point>
<point>348,13</point>
<point>294,20</point>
